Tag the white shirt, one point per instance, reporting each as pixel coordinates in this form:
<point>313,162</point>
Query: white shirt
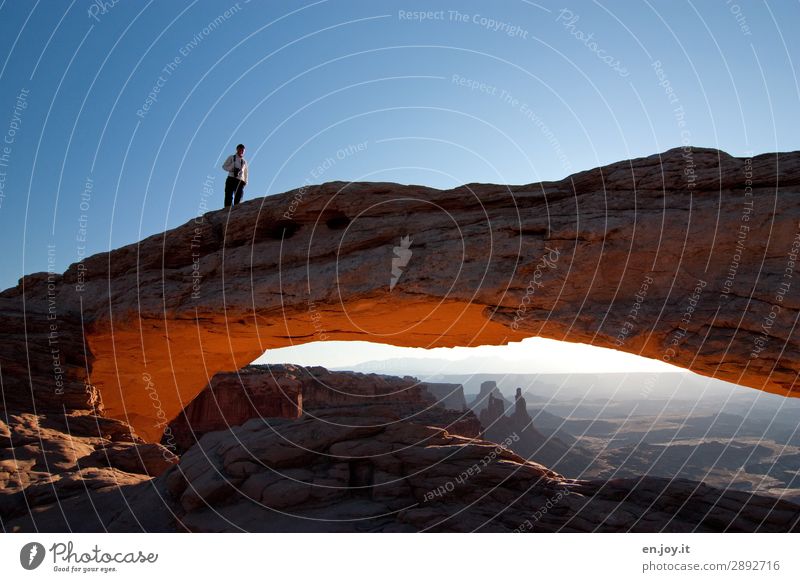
<point>235,161</point>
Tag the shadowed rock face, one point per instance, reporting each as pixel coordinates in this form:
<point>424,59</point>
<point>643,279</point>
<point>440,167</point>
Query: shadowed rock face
<point>288,391</point>
<point>68,471</point>
<point>356,470</point>
<point>381,457</point>
<point>685,256</point>
<point>370,468</point>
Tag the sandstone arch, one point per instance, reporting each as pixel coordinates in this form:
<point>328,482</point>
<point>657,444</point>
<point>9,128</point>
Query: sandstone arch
<point>686,256</point>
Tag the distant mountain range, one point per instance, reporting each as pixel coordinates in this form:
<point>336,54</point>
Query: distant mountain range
<point>432,366</point>
<point>639,386</point>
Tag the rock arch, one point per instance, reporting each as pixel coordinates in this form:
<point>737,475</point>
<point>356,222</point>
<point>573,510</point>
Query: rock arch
<point>686,256</point>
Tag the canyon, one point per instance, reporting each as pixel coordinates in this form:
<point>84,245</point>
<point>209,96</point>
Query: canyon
<point>371,453</point>
<point>686,256</point>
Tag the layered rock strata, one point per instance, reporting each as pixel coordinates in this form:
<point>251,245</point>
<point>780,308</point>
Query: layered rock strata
<point>287,391</point>
<point>383,466</point>
<point>681,256</point>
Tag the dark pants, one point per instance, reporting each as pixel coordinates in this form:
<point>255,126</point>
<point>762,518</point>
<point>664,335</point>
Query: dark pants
<point>233,185</point>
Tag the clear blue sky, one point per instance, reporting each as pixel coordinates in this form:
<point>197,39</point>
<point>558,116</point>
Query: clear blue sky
<point>297,82</point>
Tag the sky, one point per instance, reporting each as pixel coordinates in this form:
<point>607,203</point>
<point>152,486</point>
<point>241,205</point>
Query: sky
<point>116,115</point>
<point>535,355</point>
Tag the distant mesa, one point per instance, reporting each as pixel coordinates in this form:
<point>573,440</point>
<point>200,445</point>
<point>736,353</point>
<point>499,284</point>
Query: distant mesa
<point>514,424</point>
<point>489,393</point>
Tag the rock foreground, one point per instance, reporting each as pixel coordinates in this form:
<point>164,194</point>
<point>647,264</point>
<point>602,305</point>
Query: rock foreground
<point>398,477</point>
<point>683,256</point>
<point>371,460</point>
<point>288,391</point>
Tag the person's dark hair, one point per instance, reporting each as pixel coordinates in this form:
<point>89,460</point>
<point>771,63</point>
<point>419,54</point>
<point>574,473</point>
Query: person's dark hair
<point>241,145</point>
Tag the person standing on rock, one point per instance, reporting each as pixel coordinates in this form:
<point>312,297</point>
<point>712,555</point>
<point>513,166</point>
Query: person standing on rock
<point>236,166</point>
